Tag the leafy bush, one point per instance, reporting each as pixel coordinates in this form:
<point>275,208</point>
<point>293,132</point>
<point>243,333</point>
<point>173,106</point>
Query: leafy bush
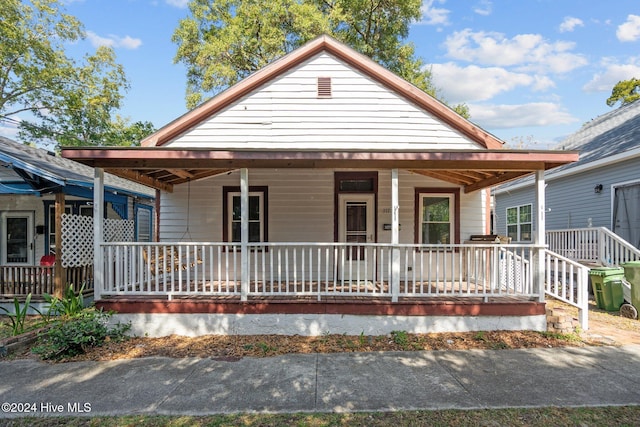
<point>70,305</point>
<point>70,337</point>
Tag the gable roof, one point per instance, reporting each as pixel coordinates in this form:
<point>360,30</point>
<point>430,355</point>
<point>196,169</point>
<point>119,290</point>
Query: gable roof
<point>161,164</point>
<point>607,139</point>
<point>349,56</point>
<point>34,164</point>
<point>615,132</point>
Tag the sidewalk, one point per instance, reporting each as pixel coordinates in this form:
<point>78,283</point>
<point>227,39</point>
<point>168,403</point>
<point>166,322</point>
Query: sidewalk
<point>588,376</point>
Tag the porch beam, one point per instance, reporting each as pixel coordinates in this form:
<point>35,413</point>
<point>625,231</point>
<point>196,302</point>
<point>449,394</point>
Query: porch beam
<point>498,178</point>
<point>244,233</point>
<point>142,178</point>
<point>98,232</point>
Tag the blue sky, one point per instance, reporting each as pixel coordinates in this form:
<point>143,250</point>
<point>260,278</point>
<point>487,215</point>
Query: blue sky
<point>531,71</point>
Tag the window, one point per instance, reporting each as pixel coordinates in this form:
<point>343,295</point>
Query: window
<point>437,213</point>
<point>257,214</point>
<point>144,223</point>
<point>435,219</point>
<point>519,223</point>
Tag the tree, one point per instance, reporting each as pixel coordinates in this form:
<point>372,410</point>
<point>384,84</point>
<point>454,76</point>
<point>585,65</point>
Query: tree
<point>69,103</point>
<point>625,91</point>
<point>223,41</point>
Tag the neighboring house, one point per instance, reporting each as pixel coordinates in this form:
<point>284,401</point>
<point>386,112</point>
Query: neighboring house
<point>602,189</point>
<point>322,193</point>
<point>31,181</point>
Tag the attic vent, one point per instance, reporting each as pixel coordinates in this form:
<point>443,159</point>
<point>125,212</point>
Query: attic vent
<point>324,87</point>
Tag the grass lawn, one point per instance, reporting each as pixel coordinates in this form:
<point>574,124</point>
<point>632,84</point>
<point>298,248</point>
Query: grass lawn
<point>592,416</point>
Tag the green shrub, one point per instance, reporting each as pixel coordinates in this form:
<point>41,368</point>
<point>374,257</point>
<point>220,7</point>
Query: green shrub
<point>401,338</point>
<point>70,305</point>
<point>70,337</point>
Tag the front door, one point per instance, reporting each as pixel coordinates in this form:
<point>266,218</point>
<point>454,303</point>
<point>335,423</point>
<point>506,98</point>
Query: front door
<point>16,241</point>
<point>356,226</point>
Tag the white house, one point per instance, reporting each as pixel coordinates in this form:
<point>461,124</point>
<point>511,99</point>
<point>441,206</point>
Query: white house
<point>322,193</point>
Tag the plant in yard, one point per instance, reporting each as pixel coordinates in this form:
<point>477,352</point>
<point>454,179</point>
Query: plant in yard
<point>69,337</point>
<point>401,338</point>
<point>480,336</point>
<point>70,305</point>
<point>361,339</point>
<point>19,315</point>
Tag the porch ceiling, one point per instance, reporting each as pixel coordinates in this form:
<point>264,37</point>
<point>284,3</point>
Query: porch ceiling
<point>164,167</point>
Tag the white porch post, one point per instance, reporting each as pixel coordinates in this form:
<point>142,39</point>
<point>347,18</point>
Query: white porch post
<point>98,232</point>
<point>395,237</point>
<point>539,240</point>
<point>244,233</point>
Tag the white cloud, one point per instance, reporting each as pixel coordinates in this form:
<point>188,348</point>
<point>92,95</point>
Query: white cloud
<point>521,115</point>
<point>182,4</point>
<point>570,23</point>
<point>528,51</point>
<point>8,130</point>
<point>473,83</point>
<point>432,15</point>
<point>114,41</point>
<point>630,30</point>
<point>612,74</point>
<point>483,8</point>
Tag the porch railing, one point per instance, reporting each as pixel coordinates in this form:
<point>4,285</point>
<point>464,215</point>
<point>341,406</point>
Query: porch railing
<point>595,245</point>
<point>567,280</point>
<point>318,270</point>
<point>21,280</point>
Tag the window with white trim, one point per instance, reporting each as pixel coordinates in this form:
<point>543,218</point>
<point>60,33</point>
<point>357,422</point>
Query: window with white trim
<point>519,224</point>
<point>257,215</point>
<point>436,214</point>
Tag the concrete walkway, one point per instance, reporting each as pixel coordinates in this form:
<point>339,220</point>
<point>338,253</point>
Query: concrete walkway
<point>588,376</point>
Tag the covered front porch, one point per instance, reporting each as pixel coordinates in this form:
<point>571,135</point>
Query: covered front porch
<point>395,282</point>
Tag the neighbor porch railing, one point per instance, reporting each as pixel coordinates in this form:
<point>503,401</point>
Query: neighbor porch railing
<point>318,269</point>
<point>595,245</point>
<point>21,280</point>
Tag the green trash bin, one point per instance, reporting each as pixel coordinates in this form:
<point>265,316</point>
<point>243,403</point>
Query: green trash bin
<point>632,274</point>
<point>606,283</point>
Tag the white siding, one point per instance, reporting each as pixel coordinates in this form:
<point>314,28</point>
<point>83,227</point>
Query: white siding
<point>287,114</point>
<point>301,206</point>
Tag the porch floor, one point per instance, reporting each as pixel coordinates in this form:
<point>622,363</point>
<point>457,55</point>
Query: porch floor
<point>307,304</point>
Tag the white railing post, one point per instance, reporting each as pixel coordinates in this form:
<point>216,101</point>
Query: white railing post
<point>538,269</point>
<point>395,237</point>
<point>244,233</point>
<point>602,242</point>
<point>583,299</point>
<point>98,232</point>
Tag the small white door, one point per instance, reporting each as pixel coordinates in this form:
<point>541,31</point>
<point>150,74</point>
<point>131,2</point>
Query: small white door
<point>356,225</point>
<point>16,240</point>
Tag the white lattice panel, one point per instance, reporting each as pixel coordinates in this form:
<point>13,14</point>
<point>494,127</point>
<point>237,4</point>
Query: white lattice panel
<point>119,230</point>
<point>77,237</point>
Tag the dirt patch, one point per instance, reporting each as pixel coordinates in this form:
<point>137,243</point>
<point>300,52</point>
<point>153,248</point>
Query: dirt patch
<point>605,329</point>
